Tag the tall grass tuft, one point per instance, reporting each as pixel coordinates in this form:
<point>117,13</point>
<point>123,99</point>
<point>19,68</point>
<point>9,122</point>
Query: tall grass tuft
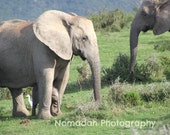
<point>84,75</point>
<point>155,92</point>
<point>125,94</point>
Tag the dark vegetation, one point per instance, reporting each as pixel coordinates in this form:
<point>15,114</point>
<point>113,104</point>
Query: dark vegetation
<point>31,9</point>
<point>111,21</point>
<point>146,71</point>
<point>123,93</point>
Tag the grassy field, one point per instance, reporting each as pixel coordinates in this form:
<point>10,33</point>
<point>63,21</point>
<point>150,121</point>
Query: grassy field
<point>80,115</point>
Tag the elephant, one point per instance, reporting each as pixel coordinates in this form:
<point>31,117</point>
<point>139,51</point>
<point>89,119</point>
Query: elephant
<point>152,15</point>
<point>39,53</point>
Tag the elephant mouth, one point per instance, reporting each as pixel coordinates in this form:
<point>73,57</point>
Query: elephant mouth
<point>146,28</point>
<point>82,57</point>
<point>80,54</point>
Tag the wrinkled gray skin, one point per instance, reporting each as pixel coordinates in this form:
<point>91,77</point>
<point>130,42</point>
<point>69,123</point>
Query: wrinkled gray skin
<point>39,54</point>
<point>152,15</point>
<point>55,110</point>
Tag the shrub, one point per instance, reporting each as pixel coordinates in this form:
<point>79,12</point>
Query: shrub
<point>84,75</point>
<point>112,21</point>
<point>91,110</point>
<point>132,97</point>
<point>119,69</point>
<point>116,91</point>
<point>144,72</point>
<point>155,92</point>
<point>123,93</point>
<point>151,67</point>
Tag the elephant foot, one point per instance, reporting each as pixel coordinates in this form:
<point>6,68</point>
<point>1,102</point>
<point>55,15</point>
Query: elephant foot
<point>55,110</point>
<point>19,108</point>
<point>58,113</point>
<point>44,115</point>
<point>21,113</point>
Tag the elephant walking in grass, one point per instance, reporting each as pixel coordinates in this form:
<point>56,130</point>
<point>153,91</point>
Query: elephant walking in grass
<point>39,53</point>
<point>152,15</point>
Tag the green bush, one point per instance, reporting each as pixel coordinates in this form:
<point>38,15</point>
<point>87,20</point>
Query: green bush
<point>155,92</point>
<point>116,92</point>
<point>150,68</point>
<point>112,21</point>
<point>122,93</point>
<point>132,98</point>
<point>119,69</point>
<point>84,77</point>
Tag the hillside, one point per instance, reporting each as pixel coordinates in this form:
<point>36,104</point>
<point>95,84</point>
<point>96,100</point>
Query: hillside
<point>30,9</point>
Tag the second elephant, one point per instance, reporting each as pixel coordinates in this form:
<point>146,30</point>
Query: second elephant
<point>152,15</point>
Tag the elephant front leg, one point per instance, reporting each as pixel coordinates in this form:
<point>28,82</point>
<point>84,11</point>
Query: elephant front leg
<point>19,108</point>
<point>54,104</point>
<point>45,86</point>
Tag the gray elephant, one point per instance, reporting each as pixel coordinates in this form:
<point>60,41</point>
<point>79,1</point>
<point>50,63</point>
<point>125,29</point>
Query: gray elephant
<point>39,53</point>
<point>152,15</point>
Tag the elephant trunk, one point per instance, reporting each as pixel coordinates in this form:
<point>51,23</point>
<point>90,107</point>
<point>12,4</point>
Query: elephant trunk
<point>94,63</point>
<point>134,34</point>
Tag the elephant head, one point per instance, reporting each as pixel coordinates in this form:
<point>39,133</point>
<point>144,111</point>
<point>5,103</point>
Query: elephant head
<point>152,15</point>
<point>68,34</point>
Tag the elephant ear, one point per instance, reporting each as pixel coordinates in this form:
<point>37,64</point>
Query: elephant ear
<point>148,8</point>
<point>162,18</point>
<point>53,29</point>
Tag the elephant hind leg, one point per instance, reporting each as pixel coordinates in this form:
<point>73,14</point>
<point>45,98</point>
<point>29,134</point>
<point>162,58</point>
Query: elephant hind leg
<point>55,106</point>
<point>19,108</point>
<point>34,109</point>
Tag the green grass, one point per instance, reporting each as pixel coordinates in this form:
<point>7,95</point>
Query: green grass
<point>77,105</point>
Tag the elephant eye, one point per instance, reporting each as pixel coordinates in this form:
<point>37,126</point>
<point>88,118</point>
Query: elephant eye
<point>144,13</point>
<point>84,38</point>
